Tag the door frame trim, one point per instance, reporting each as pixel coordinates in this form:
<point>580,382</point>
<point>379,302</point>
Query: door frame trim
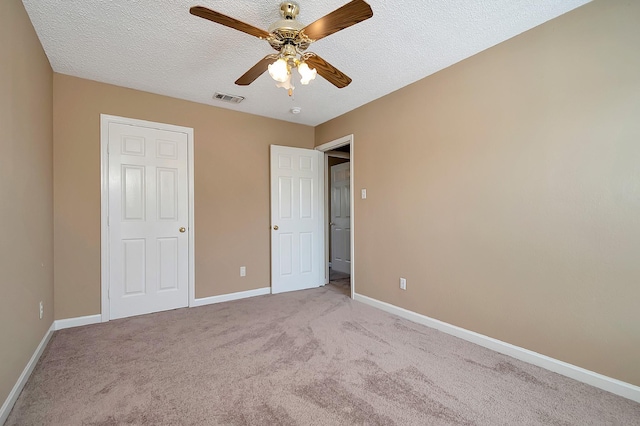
<point>329,146</point>
<point>105,120</point>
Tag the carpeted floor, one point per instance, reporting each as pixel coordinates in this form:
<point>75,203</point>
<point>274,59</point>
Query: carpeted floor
<point>341,281</point>
<point>313,357</point>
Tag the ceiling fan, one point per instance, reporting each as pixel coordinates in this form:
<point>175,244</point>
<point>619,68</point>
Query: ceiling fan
<point>290,38</point>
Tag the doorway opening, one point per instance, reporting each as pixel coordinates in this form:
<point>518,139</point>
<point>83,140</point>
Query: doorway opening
<point>339,218</point>
<point>339,201</point>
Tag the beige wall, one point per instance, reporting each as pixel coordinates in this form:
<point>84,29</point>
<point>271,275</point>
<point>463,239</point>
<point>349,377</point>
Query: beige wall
<point>506,189</point>
<point>26,193</point>
<point>231,188</point>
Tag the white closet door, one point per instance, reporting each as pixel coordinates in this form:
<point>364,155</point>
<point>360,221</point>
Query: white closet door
<point>148,220</point>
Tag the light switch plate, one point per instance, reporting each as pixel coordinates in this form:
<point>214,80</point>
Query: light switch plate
<point>363,193</point>
<point>243,271</point>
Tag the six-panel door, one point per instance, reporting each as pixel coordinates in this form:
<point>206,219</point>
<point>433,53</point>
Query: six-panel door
<point>340,218</point>
<point>296,229</point>
<point>148,220</point>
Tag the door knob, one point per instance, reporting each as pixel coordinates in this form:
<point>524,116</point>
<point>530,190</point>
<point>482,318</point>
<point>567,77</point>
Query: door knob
<point>275,227</point>
<point>183,229</point>
<point>331,224</point>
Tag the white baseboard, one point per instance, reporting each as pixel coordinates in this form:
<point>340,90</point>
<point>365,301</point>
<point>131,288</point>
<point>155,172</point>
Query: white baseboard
<point>22,380</point>
<point>95,319</point>
<point>231,296</point>
<point>606,383</point>
<point>76,322</point>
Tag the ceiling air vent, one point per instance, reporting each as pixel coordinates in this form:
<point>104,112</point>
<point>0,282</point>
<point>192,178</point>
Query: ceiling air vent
<point>228,98</point>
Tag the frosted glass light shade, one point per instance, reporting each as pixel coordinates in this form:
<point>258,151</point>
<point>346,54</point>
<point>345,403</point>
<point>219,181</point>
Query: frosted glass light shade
<point>279,70</point>
<point>307,74</point>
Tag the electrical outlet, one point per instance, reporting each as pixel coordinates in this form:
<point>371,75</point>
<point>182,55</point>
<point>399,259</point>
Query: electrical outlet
<point>243,271</point>
<point>41,309</point>
<point>403,283</point>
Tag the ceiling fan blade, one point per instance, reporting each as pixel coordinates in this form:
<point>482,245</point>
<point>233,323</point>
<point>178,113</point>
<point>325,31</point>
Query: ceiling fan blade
<point>327,71</point>
<point>256,70</point>
<point>341,18</point>
<point>227,21</point>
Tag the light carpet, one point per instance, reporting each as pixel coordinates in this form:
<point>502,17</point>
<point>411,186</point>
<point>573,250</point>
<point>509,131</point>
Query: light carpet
<point>312,357</point>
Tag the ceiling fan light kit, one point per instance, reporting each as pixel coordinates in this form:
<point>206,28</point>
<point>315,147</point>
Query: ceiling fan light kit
<point>290,38</point>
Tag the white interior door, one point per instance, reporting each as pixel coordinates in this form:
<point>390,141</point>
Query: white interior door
<point>341,218</point>
<point>148,220</point>
<point>297,235</point>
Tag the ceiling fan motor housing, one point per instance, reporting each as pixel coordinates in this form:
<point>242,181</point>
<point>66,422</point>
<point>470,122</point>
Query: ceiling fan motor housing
<point>286,31</point>
<point>289,10</point>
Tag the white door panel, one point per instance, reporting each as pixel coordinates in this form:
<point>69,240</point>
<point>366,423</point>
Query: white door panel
<point>148,204</point>
<point>169,259</point>
<point>297,246</point>
<point>340,218</point>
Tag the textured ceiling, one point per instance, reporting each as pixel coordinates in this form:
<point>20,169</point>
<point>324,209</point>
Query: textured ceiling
<point>160,48</point>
